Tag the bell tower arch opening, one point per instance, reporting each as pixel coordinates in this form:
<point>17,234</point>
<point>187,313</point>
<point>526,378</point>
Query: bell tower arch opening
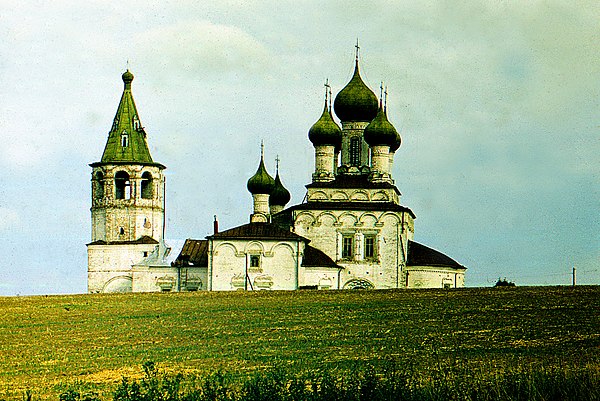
<point>122,185</point>
<point>98,186</point>
<point>146,186</point>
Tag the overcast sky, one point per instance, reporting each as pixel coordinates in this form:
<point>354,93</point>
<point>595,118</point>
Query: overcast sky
<point>497,102</point>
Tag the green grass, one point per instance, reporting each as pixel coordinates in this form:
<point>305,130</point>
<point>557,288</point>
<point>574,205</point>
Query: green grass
<point>50,344</point>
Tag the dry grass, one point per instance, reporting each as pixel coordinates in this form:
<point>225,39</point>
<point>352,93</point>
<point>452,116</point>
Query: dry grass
<point>50,343</point>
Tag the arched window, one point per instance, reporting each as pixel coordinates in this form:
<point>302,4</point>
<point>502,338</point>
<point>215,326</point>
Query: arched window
<point>99,184</point>
<point>124,139</point>
<point>355,149</point>
<point>122,185</point>
<point>147,185</point>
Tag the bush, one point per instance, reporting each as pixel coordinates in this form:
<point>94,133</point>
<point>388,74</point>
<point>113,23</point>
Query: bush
<point>73,395</point>
<point>504,283</point>
<point>534,383</point>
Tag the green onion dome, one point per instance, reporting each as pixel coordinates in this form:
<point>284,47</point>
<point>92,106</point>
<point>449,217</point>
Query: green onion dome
<point>325,131</point>
<point>127,77</point>
<point>261,182</point>
<point>356,102</point>
<point>280,196</point>
<point>381,132</point>
<point>397,142</point>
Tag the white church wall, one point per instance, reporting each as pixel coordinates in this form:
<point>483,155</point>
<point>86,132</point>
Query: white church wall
<point>106,262</point>
<point>434,277</point>
<point>254,265</point>
<point>381,269</point>
<point>168,278</point>
<point>320,278</point>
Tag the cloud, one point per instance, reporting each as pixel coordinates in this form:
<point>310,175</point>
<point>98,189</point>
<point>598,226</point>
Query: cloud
<point>203,48</point>
<point>9,218</point>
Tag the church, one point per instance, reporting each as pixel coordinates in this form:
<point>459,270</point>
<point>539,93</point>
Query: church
<point>350,232</point>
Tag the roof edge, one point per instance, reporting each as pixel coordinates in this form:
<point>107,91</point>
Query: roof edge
<point>124,163</point>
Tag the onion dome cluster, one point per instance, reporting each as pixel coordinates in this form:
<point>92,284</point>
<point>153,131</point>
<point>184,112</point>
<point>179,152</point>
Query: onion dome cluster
<point>279,196</point>
<point>325,131</point>
<point>381,132</point>
<point>261,182</point>
<point>356,102</point>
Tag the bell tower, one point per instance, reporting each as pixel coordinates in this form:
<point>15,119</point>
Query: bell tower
<point>128,193</point>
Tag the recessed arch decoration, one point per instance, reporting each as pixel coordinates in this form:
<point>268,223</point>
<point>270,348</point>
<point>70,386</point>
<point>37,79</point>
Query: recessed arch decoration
<point>318,195</point>
<point>119,284</point>
<point>327,219</point>
<point>368,219</point>
<point>359,284</point>
<point>284,246</point>
<point>304,218</point>
<point>391,217</point>
<point>359,196</point>
<point>226,246</point>
<point>348,219</point>
<point>339,196</point>
<point>254,247</point>
<point>380,196</point>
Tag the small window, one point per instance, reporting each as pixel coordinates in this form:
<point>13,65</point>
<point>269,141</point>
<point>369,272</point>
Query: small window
<point>145,254</point>
<point>369,246</point>
<point>355,148</point>
<point>124,139</point>
<point>254,261</point>
<point>136,123</point>
<point>347,246</point>
<point>121,231</point>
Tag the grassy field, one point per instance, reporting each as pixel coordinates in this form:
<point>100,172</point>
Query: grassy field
<point>49,344</point>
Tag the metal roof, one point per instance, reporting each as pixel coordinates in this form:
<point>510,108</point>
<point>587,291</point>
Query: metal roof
<point>421,255</point>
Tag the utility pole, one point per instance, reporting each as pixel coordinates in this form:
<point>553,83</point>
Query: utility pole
<point>574,276</point>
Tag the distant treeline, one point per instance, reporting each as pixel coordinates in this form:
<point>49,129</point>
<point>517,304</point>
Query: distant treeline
<point>393,382</point>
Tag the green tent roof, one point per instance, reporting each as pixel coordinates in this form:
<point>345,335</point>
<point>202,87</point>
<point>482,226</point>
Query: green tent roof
<point>127,138</point>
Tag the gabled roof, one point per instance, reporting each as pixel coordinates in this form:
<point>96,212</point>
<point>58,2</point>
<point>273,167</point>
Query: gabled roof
<point>127,127</point>
<point>193,253</point>
<point>258,231</point>
<point>421,255</point>
<point>142,240</point>
<point>314,257</point>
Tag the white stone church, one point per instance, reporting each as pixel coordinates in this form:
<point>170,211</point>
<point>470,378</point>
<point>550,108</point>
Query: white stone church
<point>352,232</point>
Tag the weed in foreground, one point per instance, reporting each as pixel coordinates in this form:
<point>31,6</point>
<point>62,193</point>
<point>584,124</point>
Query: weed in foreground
<point>392,383</point>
